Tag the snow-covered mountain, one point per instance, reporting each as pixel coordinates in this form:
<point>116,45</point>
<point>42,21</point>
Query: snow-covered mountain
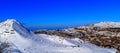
<point>20,40</point>
<point>108,24</point>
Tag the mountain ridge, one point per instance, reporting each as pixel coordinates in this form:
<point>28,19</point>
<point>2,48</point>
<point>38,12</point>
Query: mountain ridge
<point>20,40</point>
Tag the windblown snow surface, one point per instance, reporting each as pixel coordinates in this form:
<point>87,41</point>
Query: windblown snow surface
<point>23,41</point>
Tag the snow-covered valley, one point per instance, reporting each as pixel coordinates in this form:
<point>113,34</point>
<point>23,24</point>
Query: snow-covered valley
<point>21,40</point>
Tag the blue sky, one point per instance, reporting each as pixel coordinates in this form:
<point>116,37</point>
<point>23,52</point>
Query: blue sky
<point>53,12</point>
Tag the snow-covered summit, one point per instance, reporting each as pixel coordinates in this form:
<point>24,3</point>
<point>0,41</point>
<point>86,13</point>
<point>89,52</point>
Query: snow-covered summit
<point>9,22</point>
<point>12,24</point>
<point>7,25</point>
<point>108,24</point>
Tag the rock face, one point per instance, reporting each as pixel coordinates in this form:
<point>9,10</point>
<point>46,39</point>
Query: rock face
<point>107,37</point>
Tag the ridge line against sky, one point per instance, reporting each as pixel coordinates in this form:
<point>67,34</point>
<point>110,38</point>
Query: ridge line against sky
<point>43,12</point>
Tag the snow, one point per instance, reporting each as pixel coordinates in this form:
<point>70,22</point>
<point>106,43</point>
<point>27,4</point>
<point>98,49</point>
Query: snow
<point>23,41</point>
<point>108,24</point>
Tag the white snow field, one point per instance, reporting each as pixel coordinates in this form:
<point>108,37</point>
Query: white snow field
<point>23,41</point>
<point>108,24</point>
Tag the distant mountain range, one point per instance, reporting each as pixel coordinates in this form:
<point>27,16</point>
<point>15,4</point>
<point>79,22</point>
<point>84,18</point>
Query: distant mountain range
<point>56,27</point>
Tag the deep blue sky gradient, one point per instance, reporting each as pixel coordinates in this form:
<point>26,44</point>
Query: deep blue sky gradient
<point>54,12</point>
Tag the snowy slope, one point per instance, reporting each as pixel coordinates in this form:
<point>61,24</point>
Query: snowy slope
<point>23,41</point>
<point>108,24</point>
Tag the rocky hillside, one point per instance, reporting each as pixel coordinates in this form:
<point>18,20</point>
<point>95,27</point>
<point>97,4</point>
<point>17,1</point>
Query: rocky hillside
<point>105,35</point>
